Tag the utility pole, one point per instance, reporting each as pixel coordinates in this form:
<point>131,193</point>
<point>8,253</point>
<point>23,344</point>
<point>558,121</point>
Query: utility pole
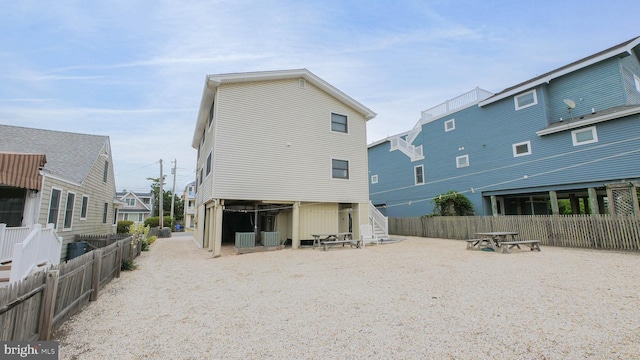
<point>173,192</point>
<point>160,198</point>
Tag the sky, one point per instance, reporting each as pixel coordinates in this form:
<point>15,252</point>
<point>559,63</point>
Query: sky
<point>134,70</point>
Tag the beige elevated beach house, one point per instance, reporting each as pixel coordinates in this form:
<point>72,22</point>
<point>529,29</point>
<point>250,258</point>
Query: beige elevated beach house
<point>281,155</point>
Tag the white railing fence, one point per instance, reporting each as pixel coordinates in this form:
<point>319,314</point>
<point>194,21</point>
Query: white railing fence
<point>9,236</point>
<point>40,246</point>
<point>449,106</point>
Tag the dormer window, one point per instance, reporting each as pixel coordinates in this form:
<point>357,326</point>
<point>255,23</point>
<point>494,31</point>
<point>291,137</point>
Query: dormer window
<point>525,100</point>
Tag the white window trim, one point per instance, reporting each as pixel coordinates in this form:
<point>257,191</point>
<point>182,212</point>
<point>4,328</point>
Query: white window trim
<point>415,174</point>
<point>452,122</point>
<point>348,178</point>
<point>73,210</point>
<point>636,80</point>
<point>458,158</point>
<point>515,153</point>
<point>535,99</point>
<point>575,139</point>
<point>50,201</point>
<point>331,123</point>
<point>87,213</point>
<point>374,179</point>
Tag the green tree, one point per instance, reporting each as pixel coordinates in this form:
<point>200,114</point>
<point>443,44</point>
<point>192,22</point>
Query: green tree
<point>452,203</point>
<point>178,210</point>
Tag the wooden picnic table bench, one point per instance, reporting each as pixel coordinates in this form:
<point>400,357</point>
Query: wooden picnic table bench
<point>327,244</point>
<point>508,245</point>
<point>472,243</point>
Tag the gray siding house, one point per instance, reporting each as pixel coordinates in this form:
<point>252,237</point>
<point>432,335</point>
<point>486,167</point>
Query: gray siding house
<point>567,141</point>
<point>77,190</point>
<point>136,207</point>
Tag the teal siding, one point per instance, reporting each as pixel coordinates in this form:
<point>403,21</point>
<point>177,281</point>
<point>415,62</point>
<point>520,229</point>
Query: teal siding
<point>487,134</point>
<point>597,87</point>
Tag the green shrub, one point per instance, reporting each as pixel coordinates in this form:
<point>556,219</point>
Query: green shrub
<point>123,226</point>
<point>144,245</point>
<point>151,239</point>
<point>155,221</point>
<point>128,265</point>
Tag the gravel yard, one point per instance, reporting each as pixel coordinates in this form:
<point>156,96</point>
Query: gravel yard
<point>417,299</point>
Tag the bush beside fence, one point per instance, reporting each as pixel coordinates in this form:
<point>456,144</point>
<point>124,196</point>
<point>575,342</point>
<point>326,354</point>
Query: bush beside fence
<point>33,308</point>
<point>612,232</point>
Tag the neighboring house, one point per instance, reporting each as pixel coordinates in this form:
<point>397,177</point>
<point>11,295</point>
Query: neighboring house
<point>189,199</point>
<point>279,151</point>
<point>77,189</point>
<point>136,207</point>
<point>568,136</point>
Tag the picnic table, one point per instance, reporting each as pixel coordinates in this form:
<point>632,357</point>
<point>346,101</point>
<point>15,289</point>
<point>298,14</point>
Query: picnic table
<point>491,239</point>
<point>331,239</point>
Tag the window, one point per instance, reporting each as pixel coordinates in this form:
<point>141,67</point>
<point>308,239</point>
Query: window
<point>209,164</point>
<point>584,136</point>
<point>104,213</point>
<point>523,148</point>
<point>525,100</point>
<point>130,202</point>
<point>146,201</point>
<point>140,217</point>
<point>68,211</point>
<point>462,161</point>
<point>83,208</point>
<point>339,169</point>
<point>125,216</point>
<point>636,80</point>
<point>54,206</point>
<point>211,114</point>
<point>338,123</point>
<point>106,171</point>
<point>418,172</point>
<point>115,216</point>
<point>374,179</point>
<point>201,173</point>
<point>449,125</point>
<point>204,134</point>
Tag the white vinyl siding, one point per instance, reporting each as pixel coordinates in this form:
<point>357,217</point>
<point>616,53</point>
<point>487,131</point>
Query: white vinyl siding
<point>293,164</point>
<point>526,99</point>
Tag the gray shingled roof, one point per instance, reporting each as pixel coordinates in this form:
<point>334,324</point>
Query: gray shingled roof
<point>70,156</point>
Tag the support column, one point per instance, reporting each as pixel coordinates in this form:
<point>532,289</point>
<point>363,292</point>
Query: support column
<point>553,198</point>
<point>575,204</point>
<point>295,226</point>
<point>494,205</point>
<point>532,204</point>
<point>217,229</point>
<point>593,201</point>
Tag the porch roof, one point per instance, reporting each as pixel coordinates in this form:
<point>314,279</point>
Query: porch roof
<point>21,170</point>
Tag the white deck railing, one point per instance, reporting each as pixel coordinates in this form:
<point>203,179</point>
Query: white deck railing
<point>458,102</point>
<point>378,221</point>
<point>414,152</point>
<point>9,236</point>
<point>40,246</point>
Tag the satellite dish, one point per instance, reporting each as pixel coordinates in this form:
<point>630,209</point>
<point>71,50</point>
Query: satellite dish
<point>570,103</point>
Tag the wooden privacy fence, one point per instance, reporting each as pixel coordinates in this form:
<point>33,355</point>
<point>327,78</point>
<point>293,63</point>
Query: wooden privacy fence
<point>100,241</point>
<point>613,232</point>
<point>33,308</point>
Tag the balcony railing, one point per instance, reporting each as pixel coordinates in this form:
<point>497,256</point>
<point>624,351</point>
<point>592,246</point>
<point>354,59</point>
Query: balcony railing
<point>457,103</point>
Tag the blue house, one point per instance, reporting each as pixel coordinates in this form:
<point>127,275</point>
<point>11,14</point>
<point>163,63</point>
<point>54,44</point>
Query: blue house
<point>556,143</point>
